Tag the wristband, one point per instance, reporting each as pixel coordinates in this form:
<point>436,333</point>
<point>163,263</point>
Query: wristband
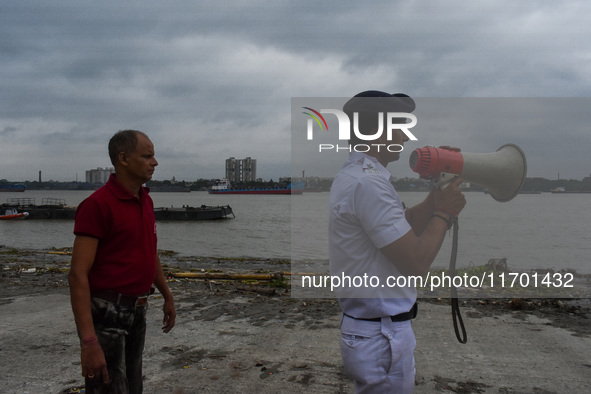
<point>448,213</point>
<point>448,221</point>
<point>89,341</point>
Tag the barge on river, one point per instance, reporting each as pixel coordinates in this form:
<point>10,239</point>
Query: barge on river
<point>224,187</point>
<point>52,208</point>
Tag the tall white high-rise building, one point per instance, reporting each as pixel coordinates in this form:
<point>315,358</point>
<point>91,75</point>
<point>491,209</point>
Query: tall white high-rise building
<point>241,170</point>
<point>99,175</point>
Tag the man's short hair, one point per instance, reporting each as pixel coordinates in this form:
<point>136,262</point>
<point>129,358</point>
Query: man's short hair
<point>371,102</point>
<point>123,141</point>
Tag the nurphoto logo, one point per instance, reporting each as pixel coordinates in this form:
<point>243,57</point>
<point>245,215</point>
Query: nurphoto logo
<point>394,121</point>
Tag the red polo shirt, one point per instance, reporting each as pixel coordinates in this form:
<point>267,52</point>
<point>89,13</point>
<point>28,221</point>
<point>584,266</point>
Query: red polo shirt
<point>125,226</point>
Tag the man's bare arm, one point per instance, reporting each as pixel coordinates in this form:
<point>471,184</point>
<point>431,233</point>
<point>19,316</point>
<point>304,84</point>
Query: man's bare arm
<point>162,286</point>
<point>91,355</point>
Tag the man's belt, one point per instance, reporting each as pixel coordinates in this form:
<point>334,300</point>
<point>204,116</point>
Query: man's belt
<point>122,299</point>
<point>399,317</point>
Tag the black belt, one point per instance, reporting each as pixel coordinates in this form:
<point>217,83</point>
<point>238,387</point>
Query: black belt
<point>122,299</point>
<point>399,317</point>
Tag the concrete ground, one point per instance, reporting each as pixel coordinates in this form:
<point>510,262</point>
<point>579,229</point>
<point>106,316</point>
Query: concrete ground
<point>234,337</point>
<point>247,343</point>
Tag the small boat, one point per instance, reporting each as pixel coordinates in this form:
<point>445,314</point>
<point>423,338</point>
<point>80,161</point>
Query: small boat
<point>224,187</point>
<point>12,214</point>
<point>562,190</point>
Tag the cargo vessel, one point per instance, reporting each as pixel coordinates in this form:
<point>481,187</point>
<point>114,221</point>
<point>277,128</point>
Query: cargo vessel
<point>12,187</point>
<point>224,187</point>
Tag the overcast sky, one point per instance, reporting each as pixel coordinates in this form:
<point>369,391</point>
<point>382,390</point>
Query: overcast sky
<point>207,80</point>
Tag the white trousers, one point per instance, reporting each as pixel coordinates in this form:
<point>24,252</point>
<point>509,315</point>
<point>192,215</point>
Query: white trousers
<point>379,356</point>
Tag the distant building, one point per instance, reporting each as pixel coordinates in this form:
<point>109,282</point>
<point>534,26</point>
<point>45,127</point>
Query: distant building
<point>241,170</point>
<point>99,175</point>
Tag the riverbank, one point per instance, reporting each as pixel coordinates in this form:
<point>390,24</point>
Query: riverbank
<point>244,336</point>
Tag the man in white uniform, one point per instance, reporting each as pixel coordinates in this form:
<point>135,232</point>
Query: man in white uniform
<point>372,235</point>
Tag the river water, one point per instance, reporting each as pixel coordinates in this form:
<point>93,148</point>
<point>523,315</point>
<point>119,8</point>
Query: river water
<point>531,231</point>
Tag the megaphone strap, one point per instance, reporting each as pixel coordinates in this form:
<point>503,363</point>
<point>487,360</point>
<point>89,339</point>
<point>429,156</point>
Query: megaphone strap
<point>455,306</point>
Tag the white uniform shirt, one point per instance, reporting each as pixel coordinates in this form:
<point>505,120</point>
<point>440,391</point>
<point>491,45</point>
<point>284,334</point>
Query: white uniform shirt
<point>366,214</point>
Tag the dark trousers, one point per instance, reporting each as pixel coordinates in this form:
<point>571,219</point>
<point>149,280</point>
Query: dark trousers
<point>121,331</point>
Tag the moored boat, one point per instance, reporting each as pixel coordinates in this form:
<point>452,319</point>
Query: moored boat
<point>57,209</point>
<point>12,187</point>
<point>170,189</point>
<point>204,212</point>
<point>562,190</point>
<point>224,187</point>
<point>13,214</point>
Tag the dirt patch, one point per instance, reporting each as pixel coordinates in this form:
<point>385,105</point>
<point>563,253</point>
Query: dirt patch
<point>252,333</point>
<point>571,314</point>
<point>25,272</point>
<point>470,387</point>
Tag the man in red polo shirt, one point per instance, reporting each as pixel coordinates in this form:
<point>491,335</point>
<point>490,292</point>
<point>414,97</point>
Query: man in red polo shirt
<point>114,265</point>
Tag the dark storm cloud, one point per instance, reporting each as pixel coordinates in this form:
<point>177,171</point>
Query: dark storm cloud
<point>208,80</point>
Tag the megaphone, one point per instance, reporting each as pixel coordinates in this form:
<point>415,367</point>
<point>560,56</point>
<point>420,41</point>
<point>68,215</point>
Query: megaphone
<point>502,172</point>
